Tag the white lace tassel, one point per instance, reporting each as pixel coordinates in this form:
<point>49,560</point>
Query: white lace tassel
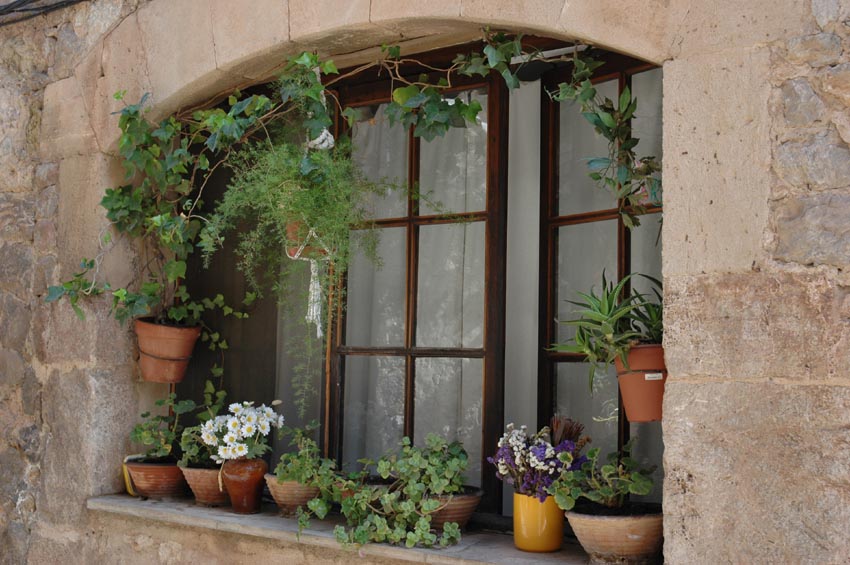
<point>314,300</point>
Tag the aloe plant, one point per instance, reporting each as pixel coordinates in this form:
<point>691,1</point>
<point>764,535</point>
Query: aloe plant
<point>610,323</point>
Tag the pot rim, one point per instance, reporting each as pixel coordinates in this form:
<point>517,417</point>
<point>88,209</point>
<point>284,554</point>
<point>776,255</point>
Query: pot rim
<point>151,464</point>
<point>615,518</point>
<point>151,321</point>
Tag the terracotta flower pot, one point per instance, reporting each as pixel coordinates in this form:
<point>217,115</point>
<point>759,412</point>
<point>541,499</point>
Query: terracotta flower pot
<point>642,385</point>
<point>157,480</point>
<point>456,508</point>
<point>538,526</point>
<point>205,486</point>
<point>297,231</point>
<point>164,351</point>
<point>619,539</point>
<point>243,479</point>
<point>289,495</point>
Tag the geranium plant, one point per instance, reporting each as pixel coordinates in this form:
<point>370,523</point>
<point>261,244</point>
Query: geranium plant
<point>241,434</point>
<point>530,463</point>
<point>160,433</point>
<point>196,453</point>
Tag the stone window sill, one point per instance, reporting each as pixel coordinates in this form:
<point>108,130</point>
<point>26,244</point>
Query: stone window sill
<point>474,547</point>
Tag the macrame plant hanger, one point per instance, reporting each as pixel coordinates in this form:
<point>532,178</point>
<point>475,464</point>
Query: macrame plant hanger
<point>324,141</point>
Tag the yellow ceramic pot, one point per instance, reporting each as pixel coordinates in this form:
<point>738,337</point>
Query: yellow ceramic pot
<point>538,526</point>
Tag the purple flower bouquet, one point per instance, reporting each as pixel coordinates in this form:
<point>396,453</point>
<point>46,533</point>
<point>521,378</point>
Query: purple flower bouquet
<point>531,463</point>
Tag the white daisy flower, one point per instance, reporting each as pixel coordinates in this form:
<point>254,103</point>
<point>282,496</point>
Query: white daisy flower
<point>248,430</point>
<point>230,438</point>
<point>233,424</point>
<point>235,408</point>
<point>250,417</point>
<point>241,450</point>
<point>209,438</point>
<point>264,427</point>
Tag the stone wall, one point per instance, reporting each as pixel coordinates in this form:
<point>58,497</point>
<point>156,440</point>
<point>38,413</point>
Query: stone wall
<point>757,218</point>
<point>757,188</point>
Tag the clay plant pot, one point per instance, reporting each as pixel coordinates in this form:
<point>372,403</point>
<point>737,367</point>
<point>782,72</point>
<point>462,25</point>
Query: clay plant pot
<point>634,540</point>
<point>456,508</point>
<point>157,480</point>
<point>289,495</point>
<point>205,486</point>
<point>642,384</point>
<point>164,351</point>
<point>538,526</point>
<point>243,479</point>
<point>297,231</point>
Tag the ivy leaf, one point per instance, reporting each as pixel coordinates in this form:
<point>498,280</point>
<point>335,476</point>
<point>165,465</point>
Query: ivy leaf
<point>404,93</point>
<point>175,270</point>
<point>329,68</point>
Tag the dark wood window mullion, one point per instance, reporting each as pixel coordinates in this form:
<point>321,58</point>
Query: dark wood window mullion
<point>493,413</point>
<point>411,283</point>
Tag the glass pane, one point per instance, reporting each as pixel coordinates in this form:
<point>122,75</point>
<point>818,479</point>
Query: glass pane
<point>584,252</point>
<point>453,168</point>
<point>448,403</point>
<point>373,408</point>
<point>646,124</point>
<point>578,143</point>
<point>376,294</point>
<point>450,307</point>
<point>381,152</point>
<point>649,450</point>
<point>597,411</point>
<point>646,252</point>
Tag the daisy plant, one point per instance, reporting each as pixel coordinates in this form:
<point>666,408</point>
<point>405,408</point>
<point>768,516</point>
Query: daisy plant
<point>243,433</point>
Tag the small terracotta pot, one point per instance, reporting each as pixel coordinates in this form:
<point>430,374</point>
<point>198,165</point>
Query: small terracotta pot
<point>456,508</point>
<point>538,526</point>
<point>243,479</point>
<point>619,539</point>
<point>157,480</point>
<point>289,495</point>
<point>205,486</point>
<point>164,351</point>
<point>642,385</point>
<point>296,231</point>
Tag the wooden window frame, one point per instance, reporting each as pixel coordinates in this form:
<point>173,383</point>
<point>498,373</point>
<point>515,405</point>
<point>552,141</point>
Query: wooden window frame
<point>495,220</point>
<point>620,68</point>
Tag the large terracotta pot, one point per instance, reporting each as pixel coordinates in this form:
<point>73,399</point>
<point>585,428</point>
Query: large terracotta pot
<point>634,540</point>
<point>538,526</point>
<point>289,495</point>
<point>456,508</point>
<point>205,486</point>
<point>642,385</point>
<point>243,479</point>
<point>157,480</point>
<point>164,351</point>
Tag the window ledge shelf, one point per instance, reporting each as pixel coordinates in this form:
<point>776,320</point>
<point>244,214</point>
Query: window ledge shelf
<point>474,548</point>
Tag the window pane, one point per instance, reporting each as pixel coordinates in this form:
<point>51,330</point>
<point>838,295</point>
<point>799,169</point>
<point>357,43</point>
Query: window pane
<point>376,295</point>
<point>450,307</point>
<point>373,407</point>
<point>448,403</point>
<point>584,252</point>
<point>578,143</point>
<point>646,252</point>
<point>381,152</point>
<point>453,168</point>
<point>597,411</point>
<point>646,124</point>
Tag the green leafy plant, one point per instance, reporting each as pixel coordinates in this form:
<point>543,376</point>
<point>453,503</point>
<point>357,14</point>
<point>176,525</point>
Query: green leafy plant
<point>607,484</point>
<point>195,452</point>
<point>161,433</point>
<point>400,512</point>
<point>610,323</point>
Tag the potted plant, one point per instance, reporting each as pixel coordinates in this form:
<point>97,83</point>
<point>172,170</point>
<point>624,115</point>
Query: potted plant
<point>610,528</point>
<point>155,474</point>
<point>302,475</point>
<point>200,464</point>
<point>626,331</point>
<point>530,464</point>
<point>240,439</point>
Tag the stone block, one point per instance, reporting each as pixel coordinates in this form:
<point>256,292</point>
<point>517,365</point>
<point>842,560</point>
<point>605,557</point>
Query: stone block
<point>46,174</point>
<point>250,42</point>
<point>716,162</point>
<point>16,276</point>
<point>755,326</point>
<point>17,112</point>
<point>825,11</point>
<point>17,217</point>
<point>818,161</point>
<point>801,106</point>
<point>814,229</point>
<point>735,454</point>
<point>65,127</point>
<point>308,18</point>
<point>835,81</point>
<point>15,318</point>
<point>12,368</point>
<point>814,50</point>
